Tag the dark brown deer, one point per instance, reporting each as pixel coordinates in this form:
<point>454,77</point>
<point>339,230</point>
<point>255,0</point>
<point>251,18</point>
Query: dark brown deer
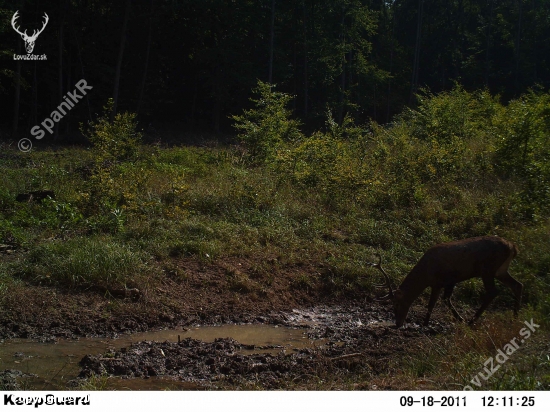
<point>445,265</point>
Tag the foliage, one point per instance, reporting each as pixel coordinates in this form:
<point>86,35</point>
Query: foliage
<point>269,124</point>
<point>113,187</point>
<point>450,115</point>
<point>452,142</point>
<point>523,147</point>
<point>332,199</point>
<point>114,140</point>
<point>356,56</point>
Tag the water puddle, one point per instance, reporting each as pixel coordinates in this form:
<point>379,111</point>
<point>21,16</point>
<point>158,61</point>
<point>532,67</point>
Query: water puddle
<point>55,364</point>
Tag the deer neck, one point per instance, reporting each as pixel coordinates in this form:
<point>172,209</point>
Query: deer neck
<point>414,284</point>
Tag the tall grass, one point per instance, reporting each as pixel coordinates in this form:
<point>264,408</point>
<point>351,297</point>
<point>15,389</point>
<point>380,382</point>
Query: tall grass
<point>83,261</point>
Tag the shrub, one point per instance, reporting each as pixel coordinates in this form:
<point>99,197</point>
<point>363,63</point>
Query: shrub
<point>114,140</point>
<point>448,115</point>
<point>263,128</point>
<point>522,132</point>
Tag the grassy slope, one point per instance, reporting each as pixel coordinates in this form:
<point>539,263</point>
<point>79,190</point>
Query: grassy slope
<point>326,204</point>
<point>208,205</point>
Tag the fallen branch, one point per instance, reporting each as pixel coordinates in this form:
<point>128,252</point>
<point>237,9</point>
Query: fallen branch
<point>349,355</point>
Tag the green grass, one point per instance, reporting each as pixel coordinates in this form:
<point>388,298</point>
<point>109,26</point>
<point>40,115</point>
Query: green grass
<point>452,361</point>
<point>83,262</point>
<point>333,200</point>
<point>94,383</point>
<point>206,203</point>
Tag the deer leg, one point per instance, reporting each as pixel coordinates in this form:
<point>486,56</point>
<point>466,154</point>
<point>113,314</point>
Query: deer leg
<point>490,294</point>
<point>517,289</point>
<point>431,304</point>
<point>447,299</point>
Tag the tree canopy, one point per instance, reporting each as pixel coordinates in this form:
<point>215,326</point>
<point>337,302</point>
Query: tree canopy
<point>192,64</point>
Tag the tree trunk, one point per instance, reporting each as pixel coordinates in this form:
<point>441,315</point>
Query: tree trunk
<point>350,75</point>
<point>294,75</point>
<point>306,91</point>
<point>374,114</point>
<point>68,87</point>
<point>535,46</point>
<point>216,113</point>
<point>216,93</point>
<point>488,46</point>
<point>391,64</point>
<point>461,35</point>
<point>194,103</point>
<point>34,111</point>
<point>60,75</point>
<point>343,75</point>
<point>271,42</point>
<point>147,53</point>
<point>120,56</point>
<point>82,70</point>
<point>15,123</point>
<point>414,82</point>
<point>518,41</point>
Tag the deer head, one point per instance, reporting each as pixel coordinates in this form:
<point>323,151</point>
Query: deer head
<point>29,40</point>
<point>400,306</point>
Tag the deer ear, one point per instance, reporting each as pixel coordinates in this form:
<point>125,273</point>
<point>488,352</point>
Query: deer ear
<point>398,294</point>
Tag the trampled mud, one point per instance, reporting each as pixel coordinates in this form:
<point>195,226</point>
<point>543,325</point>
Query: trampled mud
<point>340,340</point>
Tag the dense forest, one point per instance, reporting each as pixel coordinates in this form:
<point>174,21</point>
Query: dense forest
<point>189,65</point>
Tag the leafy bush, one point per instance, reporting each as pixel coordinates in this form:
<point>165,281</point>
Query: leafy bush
<point>459,157</point>
<point>522,132</point>
<point>448,115</point>
<point>263,128</point>
<point>118,188</point>
<point>335,161</point>
<point>114,140</point>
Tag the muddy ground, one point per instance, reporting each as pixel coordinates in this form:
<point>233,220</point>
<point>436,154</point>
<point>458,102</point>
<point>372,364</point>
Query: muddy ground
<point>189,292</point>
<point>347,340</point>
<point>351,332</point>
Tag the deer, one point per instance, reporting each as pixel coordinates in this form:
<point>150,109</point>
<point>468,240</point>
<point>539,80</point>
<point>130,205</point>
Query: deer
<point>29,40</point>
<point>446,264</point>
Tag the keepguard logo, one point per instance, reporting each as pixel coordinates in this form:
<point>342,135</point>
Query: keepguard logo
<point>29,40</point>
<point>49,399</point>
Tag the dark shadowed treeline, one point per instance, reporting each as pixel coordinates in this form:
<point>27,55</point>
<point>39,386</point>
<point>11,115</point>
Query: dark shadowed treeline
<point>192,64</point>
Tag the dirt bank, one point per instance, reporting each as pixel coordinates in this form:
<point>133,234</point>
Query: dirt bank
<point>187,292</point>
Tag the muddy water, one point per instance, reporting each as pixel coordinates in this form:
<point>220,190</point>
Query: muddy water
<point>56,363</point>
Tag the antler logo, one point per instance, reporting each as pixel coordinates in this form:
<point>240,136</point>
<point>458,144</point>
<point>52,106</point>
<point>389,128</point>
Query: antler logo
<point>29,40</point>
